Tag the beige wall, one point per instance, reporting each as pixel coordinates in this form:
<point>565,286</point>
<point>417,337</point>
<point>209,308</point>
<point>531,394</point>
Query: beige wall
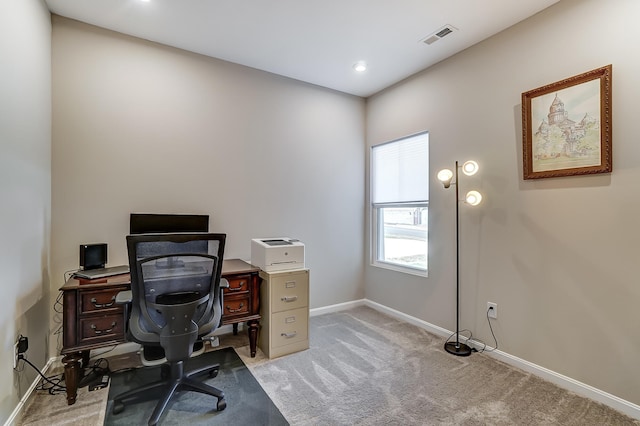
<point>25,190</point>
<point>141,127</point>
<point>558,256</point>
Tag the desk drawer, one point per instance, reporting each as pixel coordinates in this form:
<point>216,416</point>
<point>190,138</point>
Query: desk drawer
<point>238,284</point>
<point>289,327</point>
<point>100,301</point>
<point>101,328</point>
<point>236,306</point>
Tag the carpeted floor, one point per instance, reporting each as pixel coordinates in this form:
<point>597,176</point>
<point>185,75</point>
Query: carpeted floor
<point>365,368</point>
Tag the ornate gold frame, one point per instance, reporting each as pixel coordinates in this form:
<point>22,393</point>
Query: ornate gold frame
<point>544,153</point>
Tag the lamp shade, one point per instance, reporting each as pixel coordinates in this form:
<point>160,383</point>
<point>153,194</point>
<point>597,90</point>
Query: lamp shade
<point>445,176</point>
<point>473,197</point>
<point>470,168</point>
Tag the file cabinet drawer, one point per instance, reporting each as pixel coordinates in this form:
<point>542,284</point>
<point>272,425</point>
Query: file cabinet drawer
<point>290,291</point>
<point>289,327</point>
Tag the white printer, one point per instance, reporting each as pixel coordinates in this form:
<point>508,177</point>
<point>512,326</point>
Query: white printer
<point>277,254</point>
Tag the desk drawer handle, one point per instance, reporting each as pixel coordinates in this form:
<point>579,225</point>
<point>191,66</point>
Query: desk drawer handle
<point>239,288</point>
<point>288,299</point>
<point>289,335</point>
<point>99,332</point>
<point>103,305</point>
<point>233,311</point>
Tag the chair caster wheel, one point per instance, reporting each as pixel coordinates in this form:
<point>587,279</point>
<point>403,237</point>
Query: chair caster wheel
<point>213,372</point>
<point>118,407</point>
<point>222,404</point>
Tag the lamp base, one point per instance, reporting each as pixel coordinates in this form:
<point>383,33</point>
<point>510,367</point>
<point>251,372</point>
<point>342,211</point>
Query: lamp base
<point>458,349</point>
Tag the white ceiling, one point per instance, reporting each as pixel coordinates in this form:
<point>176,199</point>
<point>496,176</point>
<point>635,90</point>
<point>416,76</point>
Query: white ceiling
<point>316,41</point>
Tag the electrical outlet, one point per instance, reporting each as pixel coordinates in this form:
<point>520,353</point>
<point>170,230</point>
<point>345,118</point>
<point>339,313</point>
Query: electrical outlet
<point>15,355</point>
<point>492,310</point>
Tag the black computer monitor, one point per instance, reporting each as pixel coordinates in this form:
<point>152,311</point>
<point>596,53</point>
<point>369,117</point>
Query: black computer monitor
<point>146,223</point>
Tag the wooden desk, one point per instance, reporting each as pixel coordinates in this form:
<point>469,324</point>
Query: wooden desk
<point>91,319</point>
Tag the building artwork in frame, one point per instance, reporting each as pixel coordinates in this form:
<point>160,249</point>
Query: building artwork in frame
<point>567,126</point>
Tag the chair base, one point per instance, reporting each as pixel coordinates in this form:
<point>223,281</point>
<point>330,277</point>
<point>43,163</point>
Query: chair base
<point>151,356</point>
<point>177,381</point>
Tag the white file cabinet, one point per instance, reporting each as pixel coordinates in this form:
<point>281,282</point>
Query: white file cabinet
<point>284,308</point>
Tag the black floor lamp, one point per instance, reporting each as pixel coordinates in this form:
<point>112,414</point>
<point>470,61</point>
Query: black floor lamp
<point>473,198</point>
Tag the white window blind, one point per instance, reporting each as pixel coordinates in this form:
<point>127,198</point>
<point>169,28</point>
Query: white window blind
<point>400,171</point>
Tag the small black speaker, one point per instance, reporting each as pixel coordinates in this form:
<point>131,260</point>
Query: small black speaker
<point>93,256</point>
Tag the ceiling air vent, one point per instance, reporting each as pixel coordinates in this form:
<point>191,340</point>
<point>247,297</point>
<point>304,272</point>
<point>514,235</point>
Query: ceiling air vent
<point>432,38</point>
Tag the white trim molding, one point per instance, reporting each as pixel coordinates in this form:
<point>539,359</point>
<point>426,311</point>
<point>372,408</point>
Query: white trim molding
<point>336,308</point>
<point>16,411</point>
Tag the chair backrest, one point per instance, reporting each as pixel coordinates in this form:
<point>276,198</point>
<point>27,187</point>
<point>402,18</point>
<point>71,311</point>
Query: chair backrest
<point>174,273</point>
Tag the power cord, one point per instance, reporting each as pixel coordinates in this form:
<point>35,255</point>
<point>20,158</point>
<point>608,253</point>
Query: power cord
<point>459,333</point>
<point>100,365</point>
<point>70,272</point>
<point>484,348</point>
<point>58,308</point>
<point>49,384</point>
<point>471,339</point>
<point>99,369</point>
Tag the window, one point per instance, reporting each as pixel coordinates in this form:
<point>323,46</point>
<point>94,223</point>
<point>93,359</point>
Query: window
<point>399,204</point>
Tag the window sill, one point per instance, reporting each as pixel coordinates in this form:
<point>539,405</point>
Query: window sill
<point>400,268</point>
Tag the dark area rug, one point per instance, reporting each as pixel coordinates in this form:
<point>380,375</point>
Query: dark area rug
<point>247,403</point>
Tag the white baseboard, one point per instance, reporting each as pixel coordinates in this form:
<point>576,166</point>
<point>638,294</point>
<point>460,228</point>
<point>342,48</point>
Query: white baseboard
<point>439,331</point>
<point>619,404</point>
<point>336,308</point>
<point>16,411</point>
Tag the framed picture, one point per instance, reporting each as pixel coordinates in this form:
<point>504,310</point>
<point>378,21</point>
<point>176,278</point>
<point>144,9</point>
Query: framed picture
<point>566,127</point>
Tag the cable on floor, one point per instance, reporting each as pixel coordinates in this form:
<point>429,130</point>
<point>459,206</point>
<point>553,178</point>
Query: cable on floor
<point>49,384</point>
<point>460,333</point>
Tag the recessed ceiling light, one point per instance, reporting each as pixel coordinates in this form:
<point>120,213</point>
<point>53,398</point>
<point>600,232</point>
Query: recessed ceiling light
<point>360,66</point>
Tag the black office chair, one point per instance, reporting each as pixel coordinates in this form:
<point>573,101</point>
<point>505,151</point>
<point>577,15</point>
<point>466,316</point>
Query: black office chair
<point>175,286</point>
